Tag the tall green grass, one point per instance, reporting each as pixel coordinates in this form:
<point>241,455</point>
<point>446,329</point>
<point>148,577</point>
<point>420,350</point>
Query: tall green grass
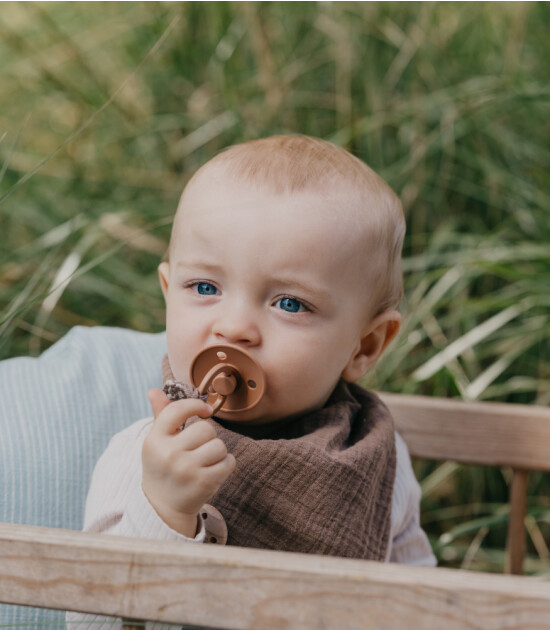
<point>106,109</point>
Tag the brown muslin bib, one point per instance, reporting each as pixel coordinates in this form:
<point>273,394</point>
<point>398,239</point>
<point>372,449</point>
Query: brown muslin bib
<point>321,483</point>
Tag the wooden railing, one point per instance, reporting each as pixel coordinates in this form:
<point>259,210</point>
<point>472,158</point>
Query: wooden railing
<point>235,588</point>
<point>488,434</point>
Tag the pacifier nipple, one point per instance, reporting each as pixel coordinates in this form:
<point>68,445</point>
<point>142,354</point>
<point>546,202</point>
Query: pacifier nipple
<point>232,378</point>
<point>224,384</point>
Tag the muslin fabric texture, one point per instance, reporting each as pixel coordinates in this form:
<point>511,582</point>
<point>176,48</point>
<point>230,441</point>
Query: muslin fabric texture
<point>321,483</point>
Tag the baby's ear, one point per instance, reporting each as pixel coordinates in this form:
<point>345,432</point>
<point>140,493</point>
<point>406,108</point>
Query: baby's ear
<point>374,340</point>
<point>164,274</point>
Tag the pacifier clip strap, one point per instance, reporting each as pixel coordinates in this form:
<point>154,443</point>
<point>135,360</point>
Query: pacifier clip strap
<point>175,390</point>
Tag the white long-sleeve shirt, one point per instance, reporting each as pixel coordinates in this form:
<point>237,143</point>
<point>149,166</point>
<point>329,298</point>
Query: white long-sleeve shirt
<point>116,505</point>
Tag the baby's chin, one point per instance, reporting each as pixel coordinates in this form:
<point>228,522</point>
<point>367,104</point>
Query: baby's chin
<point>255,417</point>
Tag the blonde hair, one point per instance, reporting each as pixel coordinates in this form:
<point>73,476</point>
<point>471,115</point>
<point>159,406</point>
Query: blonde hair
<point>294,163</point>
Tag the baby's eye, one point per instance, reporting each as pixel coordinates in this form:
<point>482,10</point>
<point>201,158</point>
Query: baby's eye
<point>205,288</point>
<point>291,305</point>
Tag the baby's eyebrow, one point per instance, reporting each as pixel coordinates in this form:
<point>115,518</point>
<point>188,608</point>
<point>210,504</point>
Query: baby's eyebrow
<point>294,285</point>
<point>198,266</point>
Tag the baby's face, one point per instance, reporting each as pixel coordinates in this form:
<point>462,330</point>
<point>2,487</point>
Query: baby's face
<point>278,275</point>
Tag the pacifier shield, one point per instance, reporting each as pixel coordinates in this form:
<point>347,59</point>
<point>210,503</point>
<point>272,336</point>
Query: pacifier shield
<point>231,362</point>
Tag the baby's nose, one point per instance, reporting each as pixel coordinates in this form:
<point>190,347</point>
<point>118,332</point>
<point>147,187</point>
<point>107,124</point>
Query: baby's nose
<point>237,328</point>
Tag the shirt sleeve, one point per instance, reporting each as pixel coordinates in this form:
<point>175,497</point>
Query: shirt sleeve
<point>116,504</point>
<point>409,543</point>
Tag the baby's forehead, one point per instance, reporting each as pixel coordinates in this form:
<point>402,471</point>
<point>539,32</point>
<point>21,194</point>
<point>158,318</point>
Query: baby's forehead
<point>218,197</point>
<point>311,222</point>
<point>217,187</point>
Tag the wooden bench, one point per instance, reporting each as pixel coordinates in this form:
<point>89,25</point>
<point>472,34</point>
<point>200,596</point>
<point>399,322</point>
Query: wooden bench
<point>235,588</point>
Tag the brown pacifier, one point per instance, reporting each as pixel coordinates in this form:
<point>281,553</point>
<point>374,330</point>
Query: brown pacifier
<point>232,378</point>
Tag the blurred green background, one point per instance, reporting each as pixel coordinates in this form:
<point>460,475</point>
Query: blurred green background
<point>106,109</point>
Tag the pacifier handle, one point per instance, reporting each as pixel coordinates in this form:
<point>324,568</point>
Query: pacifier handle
<point>232,378</point>
<point>219,380</point>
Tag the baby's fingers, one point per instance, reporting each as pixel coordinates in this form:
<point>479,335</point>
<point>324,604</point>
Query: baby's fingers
<point>158,399</point>
<point>218,473</point>
<point>211,452</point>
<point>198,434</point>
<point>173,416</point>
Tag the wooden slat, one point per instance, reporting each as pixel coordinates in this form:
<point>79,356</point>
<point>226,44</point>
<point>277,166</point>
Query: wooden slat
<point>230,587</point>
<point>491,434</point>
<point>515,540</point>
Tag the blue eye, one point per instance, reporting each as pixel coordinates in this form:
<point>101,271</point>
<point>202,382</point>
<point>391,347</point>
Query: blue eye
<point>205,288</point>
<point>290,305</point>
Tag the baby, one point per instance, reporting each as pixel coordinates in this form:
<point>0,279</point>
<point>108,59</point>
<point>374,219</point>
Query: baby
<point>289,248</point>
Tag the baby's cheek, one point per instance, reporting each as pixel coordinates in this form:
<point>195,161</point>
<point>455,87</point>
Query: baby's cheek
<point>305,385</point>
<point>179,366</point>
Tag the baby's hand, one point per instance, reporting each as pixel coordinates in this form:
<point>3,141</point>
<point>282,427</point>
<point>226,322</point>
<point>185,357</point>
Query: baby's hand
<point>182,470</point>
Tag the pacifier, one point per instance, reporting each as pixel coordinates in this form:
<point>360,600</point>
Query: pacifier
<point>231,378</point>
